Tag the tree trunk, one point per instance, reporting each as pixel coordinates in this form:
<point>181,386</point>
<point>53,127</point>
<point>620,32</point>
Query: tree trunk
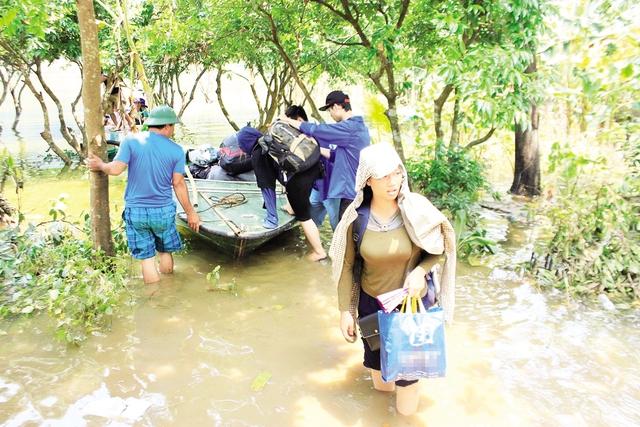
<point>91,80</point>
<point>46,133</point>
<point>221,102</point>
<point>64,130</point>
<point>5,86</point>
<point>135,57</point>
<point>17,104</point>
<point>526,176</point>
<point>392,115</point>
<point>275,39</point>
<point>391,94</point>
<point>438,105</point>
<point>455,121</point>
<point>185,102</point>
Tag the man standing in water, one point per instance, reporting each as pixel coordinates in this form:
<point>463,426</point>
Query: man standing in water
<point>349,134</point>
<point>156,163</point>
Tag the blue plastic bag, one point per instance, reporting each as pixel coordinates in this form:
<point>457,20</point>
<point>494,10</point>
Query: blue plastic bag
<point>412,344</point>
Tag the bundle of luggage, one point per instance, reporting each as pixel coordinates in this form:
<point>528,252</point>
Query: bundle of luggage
<point>292,150</point>
<point>206,160</point>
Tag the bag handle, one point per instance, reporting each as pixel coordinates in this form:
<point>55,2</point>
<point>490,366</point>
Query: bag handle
<point>416,305</point>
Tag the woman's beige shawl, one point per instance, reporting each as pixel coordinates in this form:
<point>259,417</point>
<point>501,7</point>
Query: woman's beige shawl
<point>426,225</point>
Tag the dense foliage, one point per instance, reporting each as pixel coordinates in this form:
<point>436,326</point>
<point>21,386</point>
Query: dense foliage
<point>454,182</point>
<point>53,268</point>
<point>595,225</point>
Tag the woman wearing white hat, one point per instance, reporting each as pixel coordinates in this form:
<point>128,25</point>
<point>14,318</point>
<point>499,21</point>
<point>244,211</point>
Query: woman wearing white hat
<point>405,237</point>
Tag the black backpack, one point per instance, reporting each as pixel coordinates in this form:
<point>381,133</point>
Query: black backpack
<point>291,149</point>
<point>234,161</point>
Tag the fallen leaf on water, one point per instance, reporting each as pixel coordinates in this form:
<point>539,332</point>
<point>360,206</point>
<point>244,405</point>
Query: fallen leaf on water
<point>260,381</point>
<point>278,307</point>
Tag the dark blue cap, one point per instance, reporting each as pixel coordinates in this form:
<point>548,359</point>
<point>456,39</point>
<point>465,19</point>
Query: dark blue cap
<point>247,138</point>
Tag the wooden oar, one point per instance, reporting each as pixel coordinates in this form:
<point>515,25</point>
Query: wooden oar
<point>230,190</point>
<point>194,190</point>
<point>224,218</point>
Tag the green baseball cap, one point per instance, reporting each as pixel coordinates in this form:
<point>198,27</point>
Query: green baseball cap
<point>162,115</point>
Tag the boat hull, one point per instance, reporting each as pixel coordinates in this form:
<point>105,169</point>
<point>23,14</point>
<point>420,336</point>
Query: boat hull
<point>232,215</point>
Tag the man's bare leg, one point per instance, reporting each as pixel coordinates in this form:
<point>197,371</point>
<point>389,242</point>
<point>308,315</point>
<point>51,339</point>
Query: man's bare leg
<point>150,271</point>
<point>313,236</point>
<point>166,262</point>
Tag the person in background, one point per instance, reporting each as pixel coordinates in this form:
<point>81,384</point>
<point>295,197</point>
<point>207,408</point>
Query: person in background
<point>139,111</point>
<point>349,134</point>
<point>156,164</point>
<point>405,237</point>
<point>321,204</point>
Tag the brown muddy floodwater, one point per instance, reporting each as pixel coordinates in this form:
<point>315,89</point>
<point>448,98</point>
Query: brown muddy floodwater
<point>516,356</point>
<point>188,356</point>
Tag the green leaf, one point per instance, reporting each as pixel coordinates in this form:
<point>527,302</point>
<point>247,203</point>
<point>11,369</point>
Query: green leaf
<point>627,71</point>
<point>260,381</point>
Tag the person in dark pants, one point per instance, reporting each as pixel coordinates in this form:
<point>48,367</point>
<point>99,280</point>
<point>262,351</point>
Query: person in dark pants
<point>298,185</point>
<point>349,135</point>
<point>405,236</point>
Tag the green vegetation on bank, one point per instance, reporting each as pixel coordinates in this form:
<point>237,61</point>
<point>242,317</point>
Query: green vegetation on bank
<point>454,182</point>
<point>595,229</point>
<point>53,268</point>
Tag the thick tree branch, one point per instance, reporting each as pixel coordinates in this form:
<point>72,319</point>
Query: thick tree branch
<point>480,140</point>
<point>403,13</point>
<point>220,102</point>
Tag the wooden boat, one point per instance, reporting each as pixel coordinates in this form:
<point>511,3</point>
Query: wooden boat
<point>232,215</point>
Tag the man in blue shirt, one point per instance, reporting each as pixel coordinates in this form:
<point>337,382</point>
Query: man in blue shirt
<point>349,135</point>
<point>156,164</point>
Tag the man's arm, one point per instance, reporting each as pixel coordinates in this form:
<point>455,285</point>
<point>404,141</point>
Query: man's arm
<point>325,153</point>
<point>290,122</point>
<point>96,164</point>
<point>182,193</point>
<point>334,133</point>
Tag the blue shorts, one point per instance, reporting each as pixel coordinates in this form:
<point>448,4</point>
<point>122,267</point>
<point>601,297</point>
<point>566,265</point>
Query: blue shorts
<point>150,230</point>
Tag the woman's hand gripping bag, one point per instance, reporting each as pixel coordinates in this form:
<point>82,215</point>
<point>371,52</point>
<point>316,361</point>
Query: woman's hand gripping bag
<point>412,343</point>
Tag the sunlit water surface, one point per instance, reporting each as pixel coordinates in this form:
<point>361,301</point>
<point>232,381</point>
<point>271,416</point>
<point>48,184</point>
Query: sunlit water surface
<point>517,355</point>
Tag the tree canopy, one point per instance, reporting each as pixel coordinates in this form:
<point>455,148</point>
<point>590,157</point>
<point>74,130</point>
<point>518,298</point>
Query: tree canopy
<point>466,62</point>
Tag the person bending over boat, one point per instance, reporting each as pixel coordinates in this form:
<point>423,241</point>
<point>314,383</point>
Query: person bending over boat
<point>405,236</point>
<point>298,185</point>
<point>349,135</point>
<point>156,164</point>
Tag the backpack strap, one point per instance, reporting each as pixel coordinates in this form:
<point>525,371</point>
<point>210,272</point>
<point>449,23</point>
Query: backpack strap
<point>359,227</point>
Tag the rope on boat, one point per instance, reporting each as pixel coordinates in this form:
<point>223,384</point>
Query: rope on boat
<point>230,201</point>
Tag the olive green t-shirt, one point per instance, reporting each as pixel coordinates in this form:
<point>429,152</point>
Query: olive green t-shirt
<point>388,257</point>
